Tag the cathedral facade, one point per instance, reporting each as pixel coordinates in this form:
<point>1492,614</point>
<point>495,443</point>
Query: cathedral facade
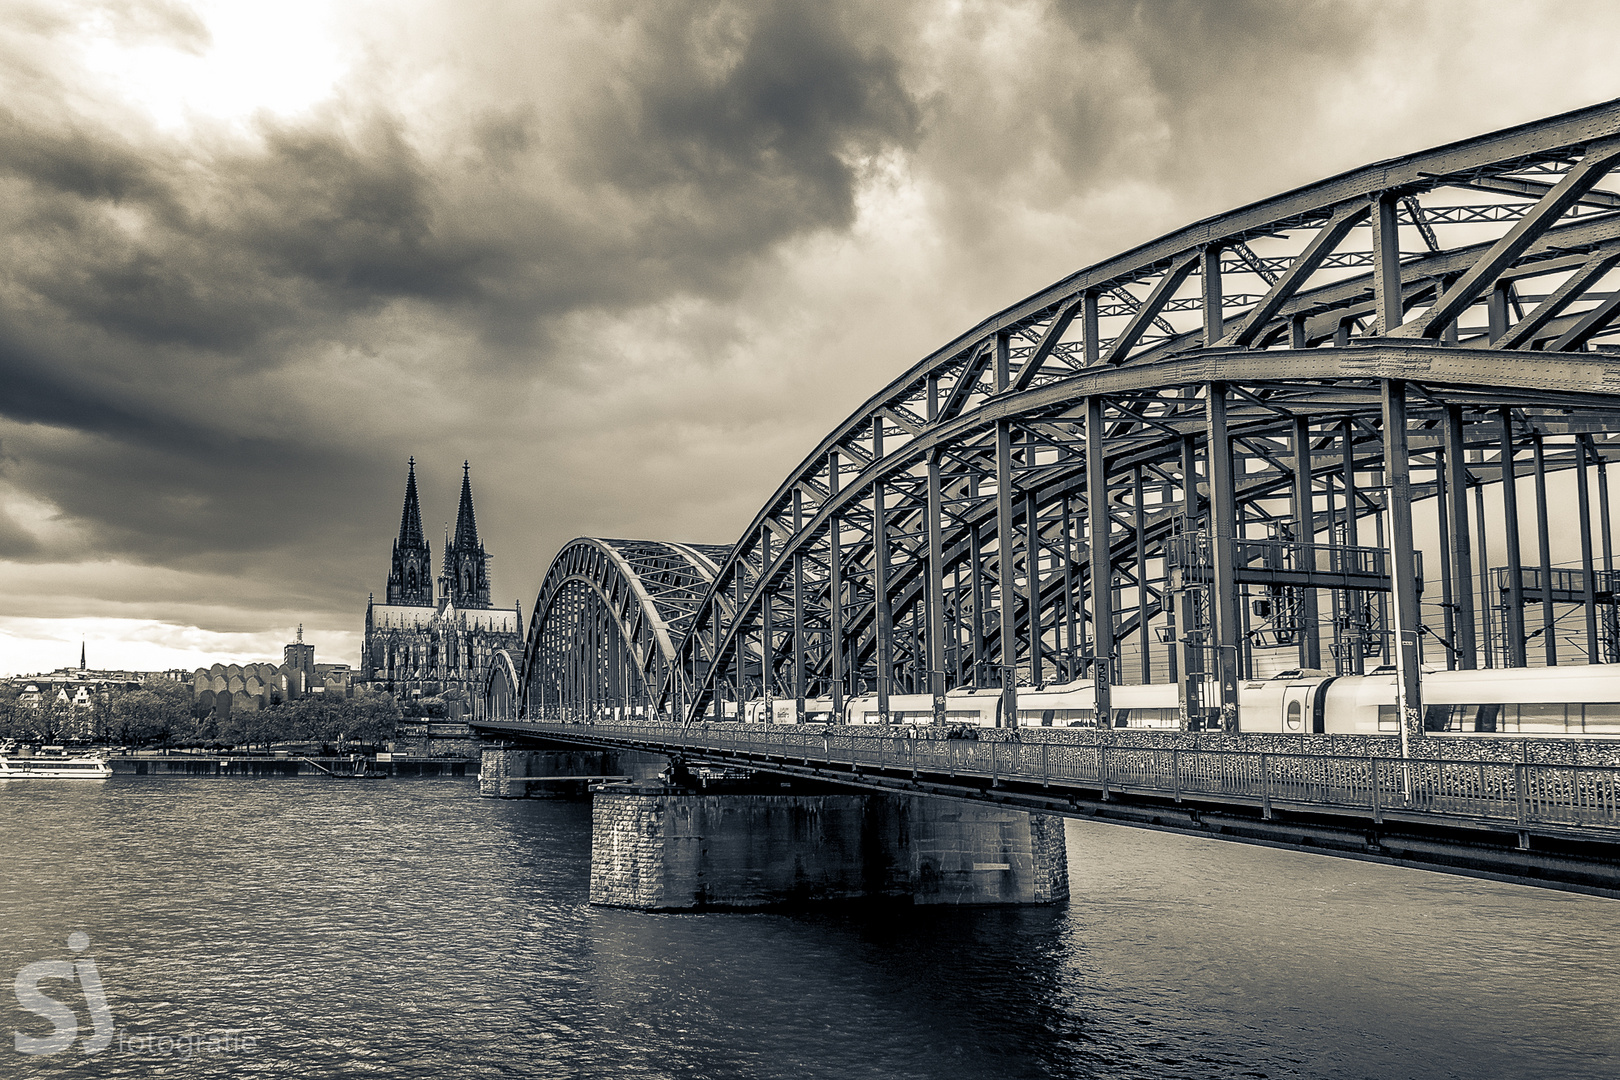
<point>436,638</point>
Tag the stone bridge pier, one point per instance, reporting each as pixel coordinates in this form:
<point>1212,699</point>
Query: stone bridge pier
<point>676,841</point>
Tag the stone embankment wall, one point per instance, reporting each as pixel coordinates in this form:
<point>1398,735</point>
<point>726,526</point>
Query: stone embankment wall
<point>661,848</point>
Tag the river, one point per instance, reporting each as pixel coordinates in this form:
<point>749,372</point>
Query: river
<point>311,928</point>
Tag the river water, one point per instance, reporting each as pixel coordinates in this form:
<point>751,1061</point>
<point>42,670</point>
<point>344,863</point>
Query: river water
<point>309,928</point>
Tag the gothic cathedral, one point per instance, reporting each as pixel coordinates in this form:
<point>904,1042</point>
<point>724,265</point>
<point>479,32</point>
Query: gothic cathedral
<point>418,645</point>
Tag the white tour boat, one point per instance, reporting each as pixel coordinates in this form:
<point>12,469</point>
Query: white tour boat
<point>53,763</point>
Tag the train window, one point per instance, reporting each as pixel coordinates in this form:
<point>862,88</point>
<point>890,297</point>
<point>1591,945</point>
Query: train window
<point>1601,716</point>
<point>1441,718</point>
<point>1541,715</point>
<point>1488,718</point>
<point>1388,718</point>
<point>1295,714</point>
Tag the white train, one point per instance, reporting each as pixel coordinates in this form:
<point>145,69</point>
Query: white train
<point>1572,700</point>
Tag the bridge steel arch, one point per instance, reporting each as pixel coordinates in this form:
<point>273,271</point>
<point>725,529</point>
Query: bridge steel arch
<point>607,622</point>
<point>1208,454</point>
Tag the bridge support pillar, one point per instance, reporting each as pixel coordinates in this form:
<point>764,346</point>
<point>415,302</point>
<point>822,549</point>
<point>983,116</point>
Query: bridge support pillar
<point>658,847</point>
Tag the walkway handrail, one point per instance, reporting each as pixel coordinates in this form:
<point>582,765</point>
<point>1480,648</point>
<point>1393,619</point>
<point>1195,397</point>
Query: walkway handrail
<point>1515,795</point>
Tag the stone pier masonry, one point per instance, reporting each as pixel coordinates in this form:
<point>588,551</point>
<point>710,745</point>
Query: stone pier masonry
<point>659,847</point>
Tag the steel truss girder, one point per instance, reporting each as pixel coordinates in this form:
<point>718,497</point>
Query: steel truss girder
<point>1268,388</point>
<point>1133,331</point>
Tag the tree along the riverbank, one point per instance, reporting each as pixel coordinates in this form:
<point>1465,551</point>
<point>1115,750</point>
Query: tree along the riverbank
<point>367,717</point>
<point>162,714</point>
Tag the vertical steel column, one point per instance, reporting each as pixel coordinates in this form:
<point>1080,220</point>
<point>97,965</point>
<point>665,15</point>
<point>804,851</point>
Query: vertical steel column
<point>1386,259</point>
<point>1090,343</point>
<point>1442,501</point>
<point>1544,543</point>
<point>1137,497</point>
<point>1603,515</point>
<point>1497,310</point>
<point>737,622</point>
<point>1607,545</point>
<point>1032,579</point>
<point>976,587</point>
<point>1310,641</point>
<point>1189,633</point>
<point>1462,570</point>
<point>798,608</point>
<point>1514,624</point>
<point>1407,616</point>
<point>1384,598</point>
<point>1007,581</point>
<point>1336,559</point>
<point>1484,574</point>
<point>835,592</point>
<point>1583,501</point>
<point>718,657</point>
<point>1071,647</point>
<point>1091,350</point>
<point>882,616</point>
<point>935,613</point>
<point>1211,269</point>
<point>1355,605</point>
<point>1224,591</point>
<point>767,647</point>
<point>1102,592</point>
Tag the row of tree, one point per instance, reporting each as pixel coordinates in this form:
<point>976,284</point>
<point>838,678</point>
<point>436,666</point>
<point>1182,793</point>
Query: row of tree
<point>162,714</point>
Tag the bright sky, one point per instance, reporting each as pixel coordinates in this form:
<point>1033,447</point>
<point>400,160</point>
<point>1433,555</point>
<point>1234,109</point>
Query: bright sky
<point>241,58</point>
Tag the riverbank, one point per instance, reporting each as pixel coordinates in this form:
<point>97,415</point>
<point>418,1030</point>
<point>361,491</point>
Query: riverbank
<point>288,766</point>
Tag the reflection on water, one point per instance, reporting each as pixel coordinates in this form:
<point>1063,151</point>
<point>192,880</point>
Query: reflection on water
<point>412,929</point>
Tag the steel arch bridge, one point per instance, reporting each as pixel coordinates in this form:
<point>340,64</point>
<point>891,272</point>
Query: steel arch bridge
<point>611,616</point>
<point>1196,460</point>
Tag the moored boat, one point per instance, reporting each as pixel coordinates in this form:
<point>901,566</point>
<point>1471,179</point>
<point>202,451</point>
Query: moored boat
<point>57,765</point>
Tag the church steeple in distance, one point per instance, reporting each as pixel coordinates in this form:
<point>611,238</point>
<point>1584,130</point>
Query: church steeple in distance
<point>466,563</point>
<point>410,579</point>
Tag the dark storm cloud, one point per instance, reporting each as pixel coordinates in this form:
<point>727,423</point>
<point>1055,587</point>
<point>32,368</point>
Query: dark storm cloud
<point>1232,70</point>
<point>341,213</point>
<point>759,150</point>
<point>216,350</point>
<point>146,277</point>
<point>1174,95</point>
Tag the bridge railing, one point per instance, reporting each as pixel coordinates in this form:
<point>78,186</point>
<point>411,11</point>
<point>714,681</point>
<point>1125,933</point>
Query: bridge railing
<point>1501,792</point>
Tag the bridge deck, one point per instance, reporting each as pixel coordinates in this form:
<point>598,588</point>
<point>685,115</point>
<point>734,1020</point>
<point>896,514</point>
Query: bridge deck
<point>1488,815</point>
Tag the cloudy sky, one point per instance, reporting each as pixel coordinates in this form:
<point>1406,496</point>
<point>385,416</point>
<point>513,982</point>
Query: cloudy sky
<point>632,260</point>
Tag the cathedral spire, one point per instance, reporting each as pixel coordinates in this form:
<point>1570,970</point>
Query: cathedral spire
<point>410,577</point>
<point>410,521</point>
<point>466,563</point>
<point>466,525</point>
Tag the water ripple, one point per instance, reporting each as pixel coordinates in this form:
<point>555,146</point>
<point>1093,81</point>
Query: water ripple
<point>410,930</point>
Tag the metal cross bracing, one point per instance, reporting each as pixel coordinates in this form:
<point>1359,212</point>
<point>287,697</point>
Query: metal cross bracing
<point>1006,511</point>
